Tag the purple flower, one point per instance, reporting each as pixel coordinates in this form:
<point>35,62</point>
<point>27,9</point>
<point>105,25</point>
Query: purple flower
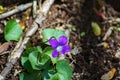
<point>59,45</point>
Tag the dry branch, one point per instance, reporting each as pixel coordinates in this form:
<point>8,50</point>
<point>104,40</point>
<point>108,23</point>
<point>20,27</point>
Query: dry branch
<point>108,33</point>
<point>18,9</point>
<point>21,45</point>
<point>34,8</point>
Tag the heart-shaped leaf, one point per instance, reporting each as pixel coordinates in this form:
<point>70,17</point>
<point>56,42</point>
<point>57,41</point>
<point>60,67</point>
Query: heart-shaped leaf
<point>48,33</point>
<point>37,60</point>
<point>12,30</point>
<point>25,61</point>
<point>64,70</point>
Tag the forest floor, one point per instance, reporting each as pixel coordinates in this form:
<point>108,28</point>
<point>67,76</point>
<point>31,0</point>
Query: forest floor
<point>91,55</point>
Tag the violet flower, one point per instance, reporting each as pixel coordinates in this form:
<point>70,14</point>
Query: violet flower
<point>60,46</point>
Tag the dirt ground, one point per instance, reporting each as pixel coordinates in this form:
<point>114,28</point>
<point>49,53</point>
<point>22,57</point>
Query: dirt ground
<point>89,59</point>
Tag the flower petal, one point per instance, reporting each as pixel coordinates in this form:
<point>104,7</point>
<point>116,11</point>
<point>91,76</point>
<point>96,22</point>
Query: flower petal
<point>54,53</point>
<point>63,40</point>
<point>65,49</point>
<point>53,42</point>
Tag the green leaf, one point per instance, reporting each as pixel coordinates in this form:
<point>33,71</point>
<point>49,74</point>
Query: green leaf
<point>12,30</point>
<point>34,59</point>
<point>48,51</point>
<point>26,64</point>
<point>38,61</point>
<point>39,49</point>
<point>55,77</point>
<point>37,75</point>
<point>25,60</point>
<point>82,34</point>
<point>116,28</point>
<point>48,33</point>
<point>63,76</point>
<point>48,73</point>
<point>64,70</point>
<point>96,29</point>
<point>25,76</point>
<point>44,61</point>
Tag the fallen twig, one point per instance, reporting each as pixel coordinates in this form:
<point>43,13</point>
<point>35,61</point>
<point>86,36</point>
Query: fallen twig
<point>21,45</point>
<point>34,8</point>
<point>3,53</point>
<point>18,9</point>
<point>108,33</point>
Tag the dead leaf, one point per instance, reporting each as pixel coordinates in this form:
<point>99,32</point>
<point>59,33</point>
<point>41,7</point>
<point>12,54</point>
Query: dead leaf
<point>4,46</point>
<point>109,75</point>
